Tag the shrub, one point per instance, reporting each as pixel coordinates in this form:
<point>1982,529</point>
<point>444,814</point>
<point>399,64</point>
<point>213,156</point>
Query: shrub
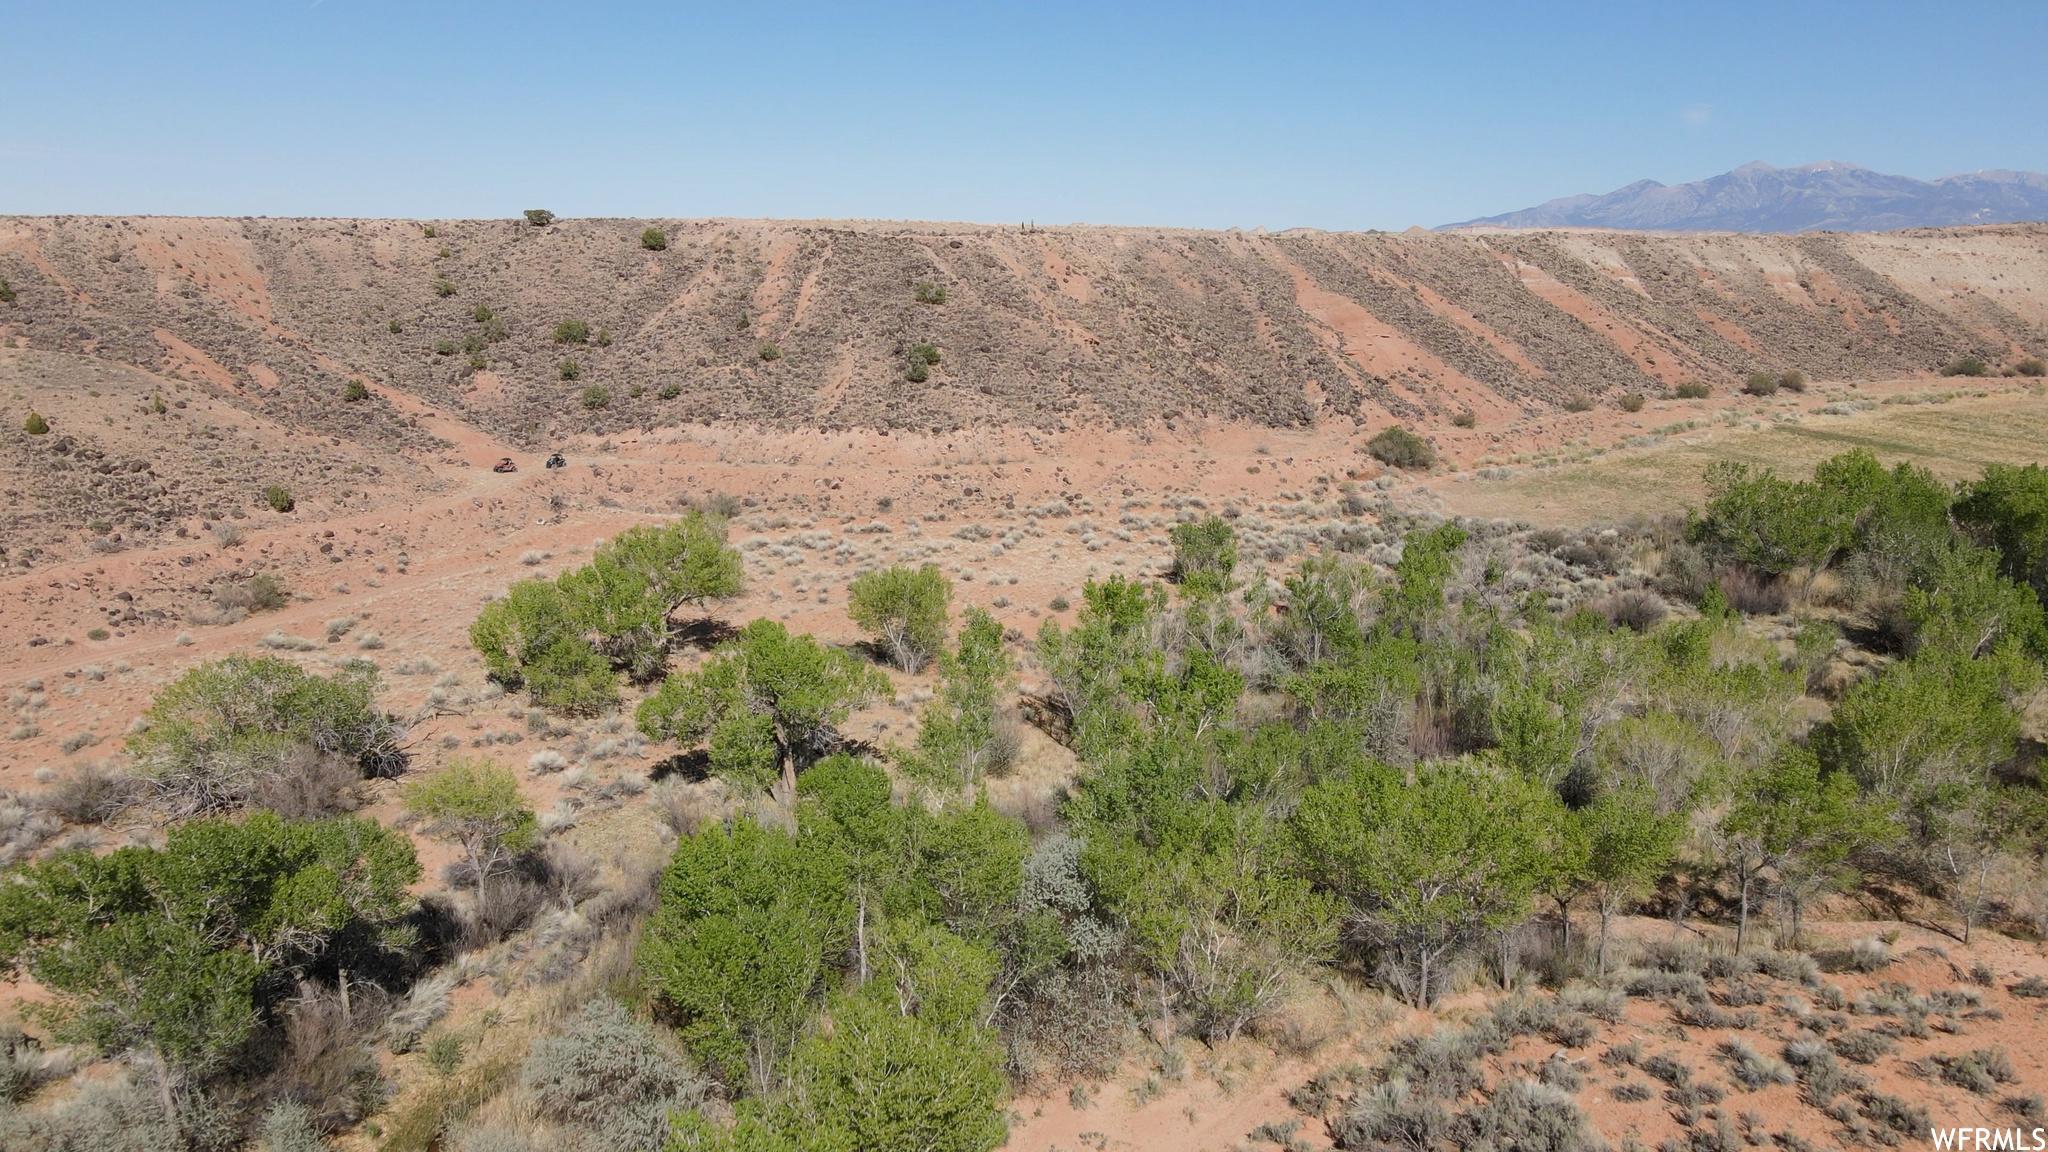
<point>1579,402</point>
<point>7,293</point>
<point>442,287</point>
<point>1980,1070</point>
<point>1753,1069</point>
<point>1466,419</point>
<point>2032,366</point>
<point>1793,380</point>
<point>1204,553</point>
<point>1863,1047</point>
<point>596,397</point>
<point>539,217</point>
<point>654,240</point>
<point>569,370</point>
<point>89,794</point>
<point>1631,402</point>
<point>279,498</point>
<point>917,372</point>
<point>97,634</point>
<point>906,608</point>
<point>572,332</point>
<point>1761,384</point>
<point>35,425</point>
<point>930,293</point>
<point>1965,366</point>
<point>394,327</point>
<point>446,347</point>
<point>354,390</point>
<point>608,1074</point>
<point>222,729</point>
<point>634,583</point>
<point>1692,390</point>
<point>263,592</point>
<point>1637,609</point>
<point>771,352</point>
<point>288,1127</point>
<point>1397,447</point>
<point>603,338</point>
<point>24,1066</point>
<point>444,1053</point>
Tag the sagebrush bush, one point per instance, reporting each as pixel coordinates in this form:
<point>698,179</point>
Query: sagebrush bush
<point>89,793</point>
<point>1980,1070</point>
<point>1965,366</point>
<point>1397,447</point>
<point>609,1074</point>
<point>288,1127</point>
<point>221,731</point>
<point>1692,390</point>
<point>355,390</point>
<point>654,240</point>
<point>1631,402</point>
<point>279,498</point>
<point>1761,384</point>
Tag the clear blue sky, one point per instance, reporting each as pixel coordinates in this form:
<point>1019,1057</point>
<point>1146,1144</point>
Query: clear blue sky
<point>1209,115</point>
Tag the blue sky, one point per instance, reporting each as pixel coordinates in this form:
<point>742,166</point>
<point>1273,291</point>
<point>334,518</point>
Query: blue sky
<point>1193,114</point>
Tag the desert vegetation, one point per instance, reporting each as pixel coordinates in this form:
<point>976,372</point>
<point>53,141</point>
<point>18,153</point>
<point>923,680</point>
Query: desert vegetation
<point>1494,835</point>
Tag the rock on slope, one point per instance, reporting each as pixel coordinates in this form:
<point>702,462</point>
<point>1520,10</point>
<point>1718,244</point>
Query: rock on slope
<point>1830,195</point>
<point>812,324</point>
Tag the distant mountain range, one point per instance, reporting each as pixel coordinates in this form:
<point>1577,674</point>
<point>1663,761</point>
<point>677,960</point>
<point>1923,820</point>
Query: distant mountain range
<point>1830,195</point>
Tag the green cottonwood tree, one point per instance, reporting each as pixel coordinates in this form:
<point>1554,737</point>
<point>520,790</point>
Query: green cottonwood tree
<point>532,636</point>
<point>906,608</point>
<point>1426,868</point>
<point>741,939</point>
<point>1628,845</point>
<point>958,738</point>
<point>478,805</point>
<point>1792,819</point>
<point>166,950</point>
<point>766,700</point>
<point>1204,555</point>
<point>640,578</point>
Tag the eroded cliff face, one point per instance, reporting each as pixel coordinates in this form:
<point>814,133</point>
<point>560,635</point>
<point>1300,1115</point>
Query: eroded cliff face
<point>801,324</point>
